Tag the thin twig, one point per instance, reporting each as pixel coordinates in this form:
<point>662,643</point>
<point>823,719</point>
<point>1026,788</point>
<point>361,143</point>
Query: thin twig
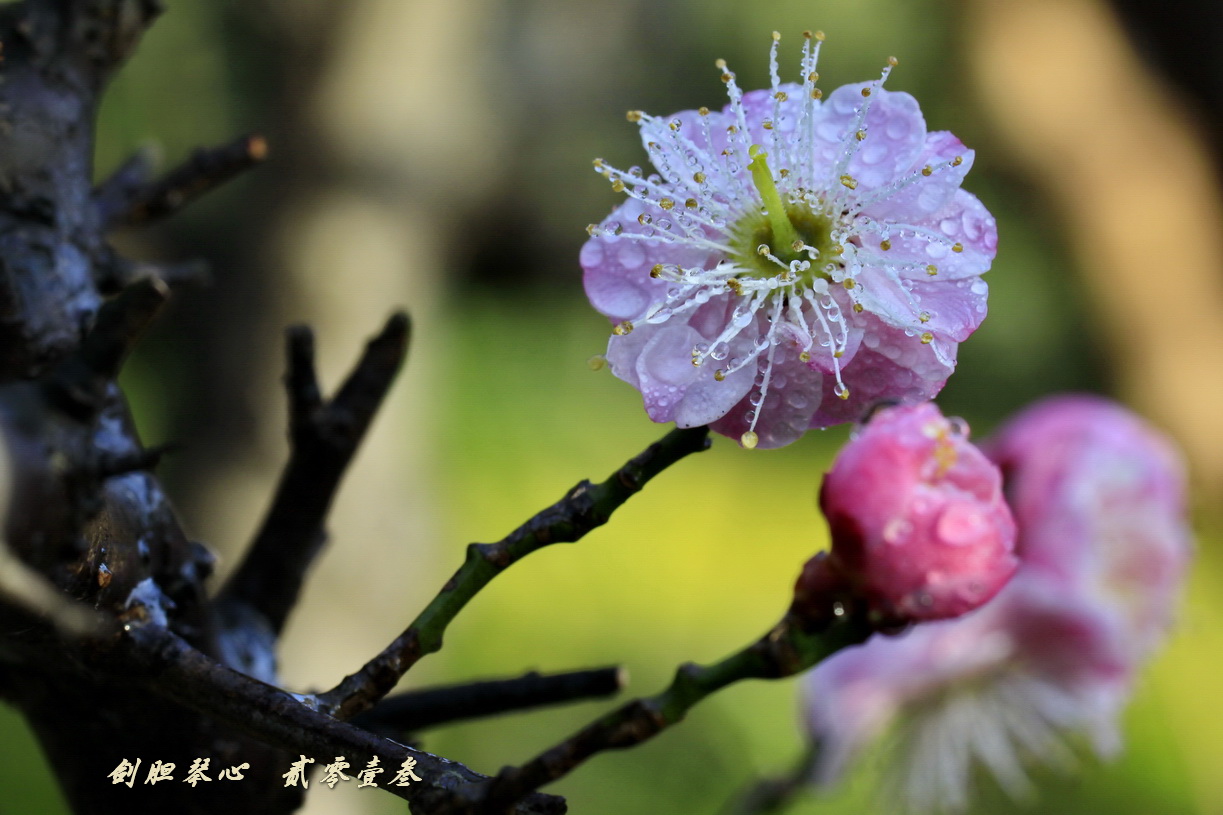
<point>172,668</point>
<point>205,170</point>
<point>585,507</point>
<point>791,646</point>
<point>325,437</point>
<point>770,796</point>
<point>421,709</point>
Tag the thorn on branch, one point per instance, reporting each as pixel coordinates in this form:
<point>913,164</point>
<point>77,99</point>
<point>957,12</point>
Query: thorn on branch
<point>80,380</point>
<point>121,202</point>
<point>116,272</point>
<point>325,437</point>
<point>421,709</point>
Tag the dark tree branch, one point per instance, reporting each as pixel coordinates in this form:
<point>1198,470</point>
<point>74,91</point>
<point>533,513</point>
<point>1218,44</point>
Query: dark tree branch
<point>114,196</point>
<point>79,384</point>
<point>791,646</point>
<point>585,507</point>
<point>125,200</point>
<point>421,709</point>
<point>172,668</point>
<point>325,437</point>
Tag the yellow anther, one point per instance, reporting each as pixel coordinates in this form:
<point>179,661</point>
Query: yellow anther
<point>592,229</point>
<point>698,178</point>
<point>816,93</point>
<point>781,96</point>
<point>618,185</point>
<point>704,111</point>
<point>842,392</point>
<point>763,249</point>
<point>932,270</point>
<point>819,35</point>
<point>727,77</point>
<point>783,172</point>
<point>720,64</point>
<point>848,283</point>
<point>957,161</point>
<point>749,440</point>
<point>776,36</point>
<point>667,204</point>
<point>957,247</point>
<point>798,246</point>
<point>623,328</point>
<point>839,354</point>
<point>805,356</point>
<point>719,375</point>
<point>656,272</point>
<point>633,116</point>
<point>857,308</point>
<point>808,34</point>
<point>860,135</point>
<point>924,316</point>
<point>866,91</point>
<point>927,338</point>
<point>675,125</point>
<point>927,170</point>
<point>767,124</point>
<point>885,244</point>
<point>893,61</point>
<point>734,285</point>
<point>644,219</point>
<point>814,76</point>
<point>596,362</point>
<point>691,203</point>
<point>849,181</point>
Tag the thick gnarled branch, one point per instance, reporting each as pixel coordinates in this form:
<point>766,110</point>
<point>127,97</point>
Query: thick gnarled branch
<point>174,669</point>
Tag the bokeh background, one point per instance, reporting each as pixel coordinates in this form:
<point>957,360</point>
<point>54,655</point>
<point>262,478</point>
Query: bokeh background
<point>435,155</point>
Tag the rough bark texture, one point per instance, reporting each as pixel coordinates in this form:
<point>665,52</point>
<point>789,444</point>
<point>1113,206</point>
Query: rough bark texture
<point>101,673</point>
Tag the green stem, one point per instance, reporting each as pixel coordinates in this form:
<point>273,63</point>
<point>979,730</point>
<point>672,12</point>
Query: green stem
<point>787,649</point>
<point>585,507</point>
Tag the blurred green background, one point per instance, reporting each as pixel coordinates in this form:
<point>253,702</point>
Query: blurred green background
<point>438,158</point>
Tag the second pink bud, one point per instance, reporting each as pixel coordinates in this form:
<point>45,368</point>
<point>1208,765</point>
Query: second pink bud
<point>920,528</point>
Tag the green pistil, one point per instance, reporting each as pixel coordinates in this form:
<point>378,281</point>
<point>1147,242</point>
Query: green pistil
<point>784,232</point>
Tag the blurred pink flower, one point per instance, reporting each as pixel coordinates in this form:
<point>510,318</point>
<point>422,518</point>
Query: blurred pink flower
<point>1099,500</point>
<point>919,527</point>
<point>791,261</point>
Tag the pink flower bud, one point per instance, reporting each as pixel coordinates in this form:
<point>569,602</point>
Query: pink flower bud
<point>920,529</point>
<point>1099,497</point>
<point>1099,500</point>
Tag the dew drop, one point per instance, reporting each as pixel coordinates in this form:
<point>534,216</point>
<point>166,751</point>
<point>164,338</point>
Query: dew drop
<point>897,531</point>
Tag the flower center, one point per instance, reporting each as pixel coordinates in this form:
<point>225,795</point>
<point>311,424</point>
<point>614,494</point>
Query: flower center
<point>769,242</point>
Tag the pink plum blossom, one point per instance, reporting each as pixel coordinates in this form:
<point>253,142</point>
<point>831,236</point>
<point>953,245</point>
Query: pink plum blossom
<point>790,260</point>
<point>1099,500</point>
<point>920,529</point>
